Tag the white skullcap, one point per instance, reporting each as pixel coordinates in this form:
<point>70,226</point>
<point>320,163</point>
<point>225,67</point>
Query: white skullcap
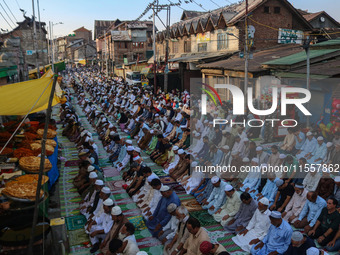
<point>171,207</point>
<point>256,160</point>
<point>225,147</point>
<point>329,144</point>
<point>246,160</point>
<point>197,134</point>
<point>259,148</point>
<point>234,153</point>
<point>282,156</point>
<point>194,164</point>
<point>112,132</point>
<point>215,179</point>
<point>93,175</point>
<point>299,186</point>
<point>320,138</point>
<point>175,148</point>
<point>90,168</point>
<point>313,251</point>
<point>130,148</point>
<point>180,151</point>
<point>137,149</point>
<point>297,236</point>
<point>151,177</point>
<point>151,131</point>
<point>106,190</point>
<point>337,179</point>
<point>309,133</point>
<point>211,123</point>
<point>99,182</point>
<point>136,158</point>
<point>116,211</point>
<point>245,140</point>
<point>129,142</point>
<point>206,121</point>
<point>264,201</point>
<point>275,214</point>
<point>110,126</point>
<point>228,187</point>
<point>108,202</point>
<point>142,253</point>
<point>164,188</point>
<point>279,182</point>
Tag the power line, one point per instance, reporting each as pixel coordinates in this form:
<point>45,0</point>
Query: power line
<point>10,11</point>
<point>18,4</point>
<point>177,5</point>
<point>200,5</point>
<point>7,14</point>
<point>215,4</point>
<point>6,20</point>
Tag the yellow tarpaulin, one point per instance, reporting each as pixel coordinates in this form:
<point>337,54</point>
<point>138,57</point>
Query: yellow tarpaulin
<point>82,62</point>
<point>18,98</point>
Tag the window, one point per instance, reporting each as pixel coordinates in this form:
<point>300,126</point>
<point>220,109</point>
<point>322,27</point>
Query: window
<point>222,41</point>
<point>174,47</point>
<point>266,9</point>
<point>187,46</point>
<point>277,10</point>
<point>202,47</point>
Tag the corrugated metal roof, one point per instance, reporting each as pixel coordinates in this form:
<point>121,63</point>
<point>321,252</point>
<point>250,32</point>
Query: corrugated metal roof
<point>236,63</point>
<point>327,43</point>
<point>299,57</point>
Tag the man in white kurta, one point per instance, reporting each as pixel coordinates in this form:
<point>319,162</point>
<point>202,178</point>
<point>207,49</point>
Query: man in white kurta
<point>102,224</point>
<point>308,147</point>
<point>217,196</point>
<point>89,198</point>
<point>295,205</point>
<point>169,230</point>
<point>152,202</point>
<point>252,181</point>
<point>230,208</point>
<point>319,152</point>
<point>257,227</point>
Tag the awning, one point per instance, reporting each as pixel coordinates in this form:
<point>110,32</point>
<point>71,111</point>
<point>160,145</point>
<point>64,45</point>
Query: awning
<point>82,62</point>
<point>19,98</point>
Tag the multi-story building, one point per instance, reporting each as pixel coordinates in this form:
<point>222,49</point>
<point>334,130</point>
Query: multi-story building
<point>126,43</point>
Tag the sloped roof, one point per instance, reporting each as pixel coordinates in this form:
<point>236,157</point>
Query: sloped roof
<point>190,14</point>
<point>236,63</point>
<point>82,29</point>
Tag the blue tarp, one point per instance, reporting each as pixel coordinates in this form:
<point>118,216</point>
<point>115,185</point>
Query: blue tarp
<point>53,174</point>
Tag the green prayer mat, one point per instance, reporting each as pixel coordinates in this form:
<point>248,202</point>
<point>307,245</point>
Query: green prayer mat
<point>75,222</point>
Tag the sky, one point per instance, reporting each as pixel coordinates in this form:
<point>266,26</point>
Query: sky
<point>77,13</point>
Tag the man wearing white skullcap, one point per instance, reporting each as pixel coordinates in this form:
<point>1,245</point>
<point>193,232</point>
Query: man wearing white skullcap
<point>217,196</point>
<point>94,192</point>
<point>230,208</point>
<point>257,227</point>
<point>169,230</point>
<point>277,239</point>
<point>119,220</point>
<point>308,147</point>
<point>319,153</point>
<point>331,152</point>
<point>261,155</point>
<point>295,205</point>
<point>299,244</point>
<point>253,179</point>
<point>289,141</point>
<point>194,179</point>
<point>100,225</point>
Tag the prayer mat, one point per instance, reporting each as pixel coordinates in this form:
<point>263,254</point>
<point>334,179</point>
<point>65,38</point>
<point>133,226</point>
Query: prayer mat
<point>75,222</point>
<point>111,172</point>
<point>138,222</point>
<point>130,206</point>
<point>177,188</point>
<point>167,180</point>
<point>72,163</point>
<point>78,236</point>
<point>204,218</point>
<point>119,184</point>
<point>115,178</point>
<point>185,196</point>
<point>148,242</point>
<point>192,205</point>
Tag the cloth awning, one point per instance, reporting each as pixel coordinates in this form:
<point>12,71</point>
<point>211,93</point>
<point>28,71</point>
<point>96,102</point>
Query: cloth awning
<point>19,98</point>
<point>145,70</point>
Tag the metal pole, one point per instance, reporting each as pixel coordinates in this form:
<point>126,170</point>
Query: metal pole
<point>308,76</point>
<point>52,53</point>
<point>42,164</point>
<point>35,41</point>
<point>246,53</point>
<point>166,51</point>
<point>42,41</point>
<point>106,55</point>
<point>154,50</point>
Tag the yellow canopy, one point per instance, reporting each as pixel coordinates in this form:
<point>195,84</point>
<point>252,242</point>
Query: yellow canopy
<point>82,62</point>
<point>19,98</point>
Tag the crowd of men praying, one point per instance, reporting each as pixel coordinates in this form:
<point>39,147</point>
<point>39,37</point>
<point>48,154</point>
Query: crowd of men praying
<point>284,212</point>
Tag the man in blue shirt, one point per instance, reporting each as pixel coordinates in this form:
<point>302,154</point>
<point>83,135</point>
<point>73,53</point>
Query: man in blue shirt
<point>277,239</point>
<point>161,216</point>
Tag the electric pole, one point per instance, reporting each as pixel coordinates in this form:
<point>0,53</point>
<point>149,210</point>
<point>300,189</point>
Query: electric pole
<point>154,49</point>
<point>246,53</point>
<point>166,70</point>
<point>35,41</point>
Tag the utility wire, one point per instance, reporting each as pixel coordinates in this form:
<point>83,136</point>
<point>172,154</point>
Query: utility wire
<point>7,13</point>
<point>215,3</point>
<point>10,11</point>
<point>200,5</point>
<point>6,20</point>
<point>177,5</point>
<point>18,4</point>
